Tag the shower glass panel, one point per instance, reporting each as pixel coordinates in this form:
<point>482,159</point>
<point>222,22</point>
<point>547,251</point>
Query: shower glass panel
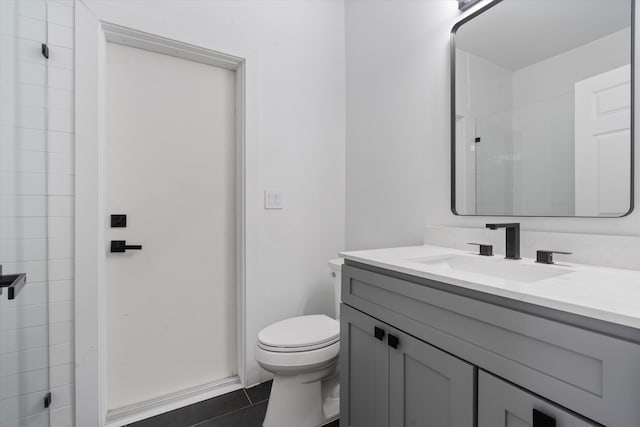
<point>24,242</point>
<point>494,164</point>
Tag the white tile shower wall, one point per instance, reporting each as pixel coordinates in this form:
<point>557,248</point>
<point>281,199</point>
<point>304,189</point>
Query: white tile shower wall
<point>483,109</point>
<point>36,210</point>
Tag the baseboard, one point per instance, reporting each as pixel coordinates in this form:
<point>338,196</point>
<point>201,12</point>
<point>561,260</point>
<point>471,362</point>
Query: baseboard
<point>149,408</point>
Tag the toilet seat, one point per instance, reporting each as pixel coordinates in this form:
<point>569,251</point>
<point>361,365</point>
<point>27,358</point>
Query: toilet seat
<point>297,349</point>
<point>300,334</point>
<point>298,361</point>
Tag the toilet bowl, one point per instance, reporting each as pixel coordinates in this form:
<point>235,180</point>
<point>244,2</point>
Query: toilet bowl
<point>302,354</point>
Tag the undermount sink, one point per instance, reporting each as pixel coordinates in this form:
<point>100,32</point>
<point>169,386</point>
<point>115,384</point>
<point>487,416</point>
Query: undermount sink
<point>494,267</point>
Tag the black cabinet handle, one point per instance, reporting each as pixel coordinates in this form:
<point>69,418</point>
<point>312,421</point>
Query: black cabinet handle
<point>378,333</point>
<point>540,419</point>
<point>393,341</point>
<point>121,246</point>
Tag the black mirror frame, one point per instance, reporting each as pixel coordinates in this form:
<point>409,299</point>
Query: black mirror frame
<point>466,4</point>
<point>453,112</point>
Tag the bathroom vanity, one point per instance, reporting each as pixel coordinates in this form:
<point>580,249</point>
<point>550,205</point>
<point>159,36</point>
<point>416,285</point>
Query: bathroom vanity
<point>541,125</point>
<point>444,335</point>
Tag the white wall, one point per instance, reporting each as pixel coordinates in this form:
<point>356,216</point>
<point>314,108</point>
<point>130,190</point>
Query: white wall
<point>398,152</point>
<point>300,49</point>
<point>397,119</point>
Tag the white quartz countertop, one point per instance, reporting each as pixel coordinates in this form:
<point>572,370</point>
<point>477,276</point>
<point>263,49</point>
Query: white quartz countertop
<point>607,294</point>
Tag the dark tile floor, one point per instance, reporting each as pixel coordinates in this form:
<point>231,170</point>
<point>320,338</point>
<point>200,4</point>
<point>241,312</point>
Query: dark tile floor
<point>240,408</point>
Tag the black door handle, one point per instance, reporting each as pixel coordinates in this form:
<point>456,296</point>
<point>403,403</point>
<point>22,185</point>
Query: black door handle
<point>13,283</point>
<point>393,341</point>
<point>378,333</point>
<point>540,419</point>
<point>121,246</point>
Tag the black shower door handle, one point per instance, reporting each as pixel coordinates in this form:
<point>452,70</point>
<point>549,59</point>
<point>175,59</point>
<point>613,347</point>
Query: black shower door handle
<point>13,283</point>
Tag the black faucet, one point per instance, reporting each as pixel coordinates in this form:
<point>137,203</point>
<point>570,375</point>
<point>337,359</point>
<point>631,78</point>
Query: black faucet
<point>513,238</point>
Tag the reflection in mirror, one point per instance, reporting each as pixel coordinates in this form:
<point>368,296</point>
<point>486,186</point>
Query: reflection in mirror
<point>541,109</point>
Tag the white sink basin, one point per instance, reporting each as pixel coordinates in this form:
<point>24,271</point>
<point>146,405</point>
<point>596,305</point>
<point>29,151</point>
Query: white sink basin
<point>495,267</point>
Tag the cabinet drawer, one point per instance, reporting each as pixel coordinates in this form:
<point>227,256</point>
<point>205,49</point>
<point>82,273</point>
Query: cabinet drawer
<point>501,404</point>
<point>590,373</point>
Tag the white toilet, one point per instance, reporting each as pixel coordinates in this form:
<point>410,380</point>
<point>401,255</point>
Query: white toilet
<point>302,353</point>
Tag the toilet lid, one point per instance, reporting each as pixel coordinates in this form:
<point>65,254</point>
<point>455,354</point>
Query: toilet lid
<point>300,333</point>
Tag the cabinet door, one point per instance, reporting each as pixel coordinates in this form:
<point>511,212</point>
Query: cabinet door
<point>364,370</point>
<point>501,404</point>
<point>428,387</point>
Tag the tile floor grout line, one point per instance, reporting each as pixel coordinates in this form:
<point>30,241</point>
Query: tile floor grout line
<point>247,394</point>
<point>220,416</point>
<point>244,406</point>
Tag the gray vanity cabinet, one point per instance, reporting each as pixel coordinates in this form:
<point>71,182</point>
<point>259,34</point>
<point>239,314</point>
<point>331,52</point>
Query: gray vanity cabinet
<point>501,404</point>
<point>390,378</point>
<point>428,387</point>
<point>560,357</point>
<point>364,369</point>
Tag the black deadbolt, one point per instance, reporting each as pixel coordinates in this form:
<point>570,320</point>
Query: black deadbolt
<point>118,221</point>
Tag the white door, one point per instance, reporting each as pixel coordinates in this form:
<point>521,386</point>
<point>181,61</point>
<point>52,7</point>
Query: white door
<point>170,167</point>
<point>603,144</point>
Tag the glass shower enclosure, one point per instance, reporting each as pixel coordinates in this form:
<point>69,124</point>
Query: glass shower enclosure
<point>24,238</point>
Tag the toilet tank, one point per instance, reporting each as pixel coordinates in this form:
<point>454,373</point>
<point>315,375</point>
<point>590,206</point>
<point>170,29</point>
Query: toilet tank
<point>335,266</point>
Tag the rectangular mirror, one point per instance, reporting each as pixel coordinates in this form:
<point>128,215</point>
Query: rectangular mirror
<point>542,109</point>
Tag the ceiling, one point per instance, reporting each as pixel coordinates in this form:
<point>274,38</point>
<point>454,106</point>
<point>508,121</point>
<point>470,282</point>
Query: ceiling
<point>517,33</point>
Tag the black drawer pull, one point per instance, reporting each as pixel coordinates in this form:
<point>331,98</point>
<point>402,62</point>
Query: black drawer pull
<point>393,341</point>
<point>121,246</point>
<point>378,333</point>
<point>540,419</point>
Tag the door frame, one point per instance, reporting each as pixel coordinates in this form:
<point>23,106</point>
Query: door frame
<point>95,26</point>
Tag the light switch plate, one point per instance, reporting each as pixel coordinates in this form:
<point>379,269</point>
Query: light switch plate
<point>273,199</point>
